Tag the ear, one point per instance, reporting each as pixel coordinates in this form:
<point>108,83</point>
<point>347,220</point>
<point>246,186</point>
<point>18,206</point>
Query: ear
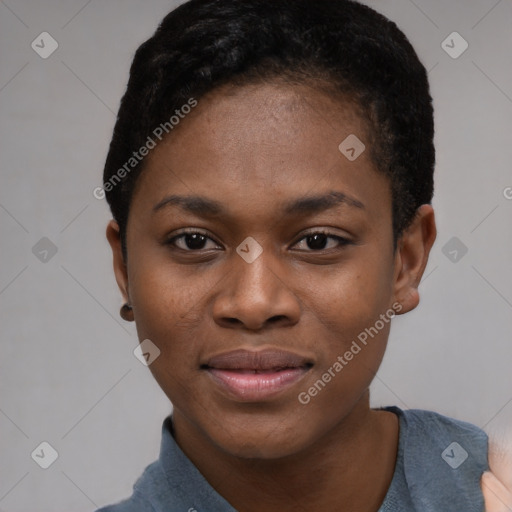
<point>413,249</point>
<point>120,270</point>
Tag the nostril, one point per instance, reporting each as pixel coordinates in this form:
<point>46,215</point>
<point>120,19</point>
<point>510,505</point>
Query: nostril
<point>276,318</point>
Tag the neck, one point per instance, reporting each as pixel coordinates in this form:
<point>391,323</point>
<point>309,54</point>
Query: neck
<point>352,464</point>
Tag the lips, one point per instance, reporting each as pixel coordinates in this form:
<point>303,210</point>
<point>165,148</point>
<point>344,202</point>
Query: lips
<point>265,360</point>
<point>249,375</point>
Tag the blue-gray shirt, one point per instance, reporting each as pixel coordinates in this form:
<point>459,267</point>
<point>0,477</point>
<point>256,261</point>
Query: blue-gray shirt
<point>439,465</point>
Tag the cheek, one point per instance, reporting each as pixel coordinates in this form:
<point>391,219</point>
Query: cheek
<point>347,306</point>
<point>351,298</point>
<point>353,338</point>
<point>166,295</point>
<point>168,311</point>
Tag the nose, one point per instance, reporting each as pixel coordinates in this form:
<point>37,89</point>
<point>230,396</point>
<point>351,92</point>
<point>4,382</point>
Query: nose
<point>256,295</point>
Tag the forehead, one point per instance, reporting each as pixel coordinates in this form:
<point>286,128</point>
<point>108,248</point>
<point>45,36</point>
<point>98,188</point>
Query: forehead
<point>263,143</point>
<point>265,121</point>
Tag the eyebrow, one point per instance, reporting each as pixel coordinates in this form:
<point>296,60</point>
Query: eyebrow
<point>205,207</point>
<point>319,203</point>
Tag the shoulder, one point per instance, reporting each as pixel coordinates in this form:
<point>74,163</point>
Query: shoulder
<point>432,428</point>
<point>148,484</point>
<point>444,460</point>
<point>445,442</point>
<point>171,484</point>
<point>153,492</point>
<point>131,504</point>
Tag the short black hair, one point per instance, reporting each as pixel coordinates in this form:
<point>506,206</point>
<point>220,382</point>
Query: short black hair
<point>358,53</point>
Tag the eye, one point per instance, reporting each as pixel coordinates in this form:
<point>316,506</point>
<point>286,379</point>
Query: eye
<point>192,241</point>
<point>320,240</point>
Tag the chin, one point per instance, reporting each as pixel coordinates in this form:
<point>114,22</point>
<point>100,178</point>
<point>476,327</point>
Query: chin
<point>271,440</point>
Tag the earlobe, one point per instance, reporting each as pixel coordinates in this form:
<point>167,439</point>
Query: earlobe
<point>120,270</point>
<point>413,249</point>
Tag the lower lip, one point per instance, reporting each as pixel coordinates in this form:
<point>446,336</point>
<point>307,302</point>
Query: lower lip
<point>256,386</point>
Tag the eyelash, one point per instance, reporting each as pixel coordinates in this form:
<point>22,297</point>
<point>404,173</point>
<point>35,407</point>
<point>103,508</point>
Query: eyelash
<point>341,240</point>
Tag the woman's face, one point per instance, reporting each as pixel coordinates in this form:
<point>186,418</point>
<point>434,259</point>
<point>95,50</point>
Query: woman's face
<point>252,174</point>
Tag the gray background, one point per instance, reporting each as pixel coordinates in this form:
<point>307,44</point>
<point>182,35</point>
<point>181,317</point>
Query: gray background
<point>68,374</point>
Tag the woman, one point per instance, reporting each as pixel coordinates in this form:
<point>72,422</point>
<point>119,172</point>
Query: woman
<point>270,178</point>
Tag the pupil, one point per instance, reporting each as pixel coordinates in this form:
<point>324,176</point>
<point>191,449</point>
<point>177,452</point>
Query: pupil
<point>195,241</point>
<point>317,241</point>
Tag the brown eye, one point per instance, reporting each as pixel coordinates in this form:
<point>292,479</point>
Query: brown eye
<point>192,241</point>
<point>319,241</point>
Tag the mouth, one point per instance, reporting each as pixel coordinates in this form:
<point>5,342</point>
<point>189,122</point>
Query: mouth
<point>248,375</point>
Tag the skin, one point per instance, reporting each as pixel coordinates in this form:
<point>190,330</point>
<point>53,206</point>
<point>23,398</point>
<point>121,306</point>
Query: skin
<point>497,483</point>
<point>254,149</point>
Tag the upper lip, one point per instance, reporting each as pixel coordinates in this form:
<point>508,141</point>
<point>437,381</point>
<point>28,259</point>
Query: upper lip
<point>270,359</point>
